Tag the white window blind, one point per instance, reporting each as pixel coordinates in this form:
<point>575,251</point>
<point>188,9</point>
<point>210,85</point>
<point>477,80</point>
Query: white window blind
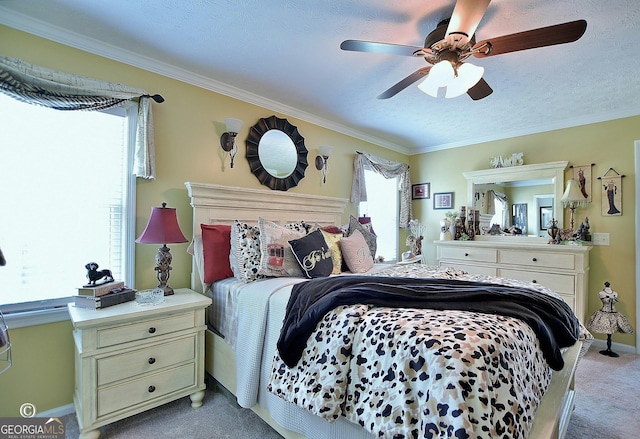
<point>65,200</point>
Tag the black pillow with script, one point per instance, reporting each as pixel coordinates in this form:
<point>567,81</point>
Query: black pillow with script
<point>313,254</point>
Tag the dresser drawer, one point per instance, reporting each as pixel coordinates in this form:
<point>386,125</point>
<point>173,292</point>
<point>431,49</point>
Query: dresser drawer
<point>537,259</point>
<point>145,389</point>
<point>471,269</point>
<point>475,254</point>
<point>130,364</point>
<point>563,284</point>
<point>115,335</point>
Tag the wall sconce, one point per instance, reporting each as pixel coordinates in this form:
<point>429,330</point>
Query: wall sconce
<point>228,139</point>
<point>163,228</point>
<point>321,160</point>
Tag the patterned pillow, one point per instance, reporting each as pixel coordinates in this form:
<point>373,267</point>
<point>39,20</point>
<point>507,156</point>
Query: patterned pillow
<point>333,241</point>
<point>356,253</point>
<point>369,236</point>
<point>244,256</point>
<point>276,258</point>
<point>313,254</point>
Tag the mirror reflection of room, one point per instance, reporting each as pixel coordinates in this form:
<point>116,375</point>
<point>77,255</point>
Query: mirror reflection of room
<point>514,206</point>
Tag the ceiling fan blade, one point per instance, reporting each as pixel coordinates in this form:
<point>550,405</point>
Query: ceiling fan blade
<point>397,88</point>
<point>480,90</point>
<point>386,48</point>
<point>464,20</point>
<point>541,37</point>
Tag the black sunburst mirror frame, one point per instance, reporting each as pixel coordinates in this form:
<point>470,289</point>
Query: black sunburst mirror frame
<point>253,141</point>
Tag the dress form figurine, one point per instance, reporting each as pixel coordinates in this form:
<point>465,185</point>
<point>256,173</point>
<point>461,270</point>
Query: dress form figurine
<point>607,320</point>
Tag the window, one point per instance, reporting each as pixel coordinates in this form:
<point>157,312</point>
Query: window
<point>67,199</point>
<point>382,206</point>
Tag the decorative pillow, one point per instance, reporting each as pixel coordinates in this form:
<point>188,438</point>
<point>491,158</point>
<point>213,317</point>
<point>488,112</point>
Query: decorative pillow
<point>366,221</point>
<point>333,241</point>
<point>331,229</point>
<point>245,251</point>
<point>216,246</point>
<point>313,254</point>
<point>276,258</point>
<point>369,236</point>
<point>356,253</point>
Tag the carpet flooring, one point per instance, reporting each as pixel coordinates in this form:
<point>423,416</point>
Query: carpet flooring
<point>607,406</point>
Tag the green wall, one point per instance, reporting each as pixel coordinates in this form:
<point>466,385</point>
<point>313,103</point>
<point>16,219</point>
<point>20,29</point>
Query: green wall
<point>607,144</point>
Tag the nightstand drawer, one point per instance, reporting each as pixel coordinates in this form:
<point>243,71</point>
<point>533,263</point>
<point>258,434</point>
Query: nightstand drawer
<point>537,259</point>
<point>145,329</point>
<point>476,254</point>
<point>122,366</point>
<point>129,394</point>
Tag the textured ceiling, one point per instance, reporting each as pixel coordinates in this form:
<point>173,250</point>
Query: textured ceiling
<point>285,55</point>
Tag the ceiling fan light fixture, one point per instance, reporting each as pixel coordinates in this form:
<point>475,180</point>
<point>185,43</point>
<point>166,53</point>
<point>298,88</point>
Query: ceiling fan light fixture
<point>440,75</point>
<point>468,76</point>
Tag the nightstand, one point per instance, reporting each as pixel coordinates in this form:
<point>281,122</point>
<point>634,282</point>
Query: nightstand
<point>130,358</point>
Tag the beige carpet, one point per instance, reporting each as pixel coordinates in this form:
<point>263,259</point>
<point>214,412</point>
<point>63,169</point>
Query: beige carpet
<point>607,407</point>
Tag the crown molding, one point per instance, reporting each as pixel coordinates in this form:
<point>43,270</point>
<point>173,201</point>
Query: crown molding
<point>59,35</point>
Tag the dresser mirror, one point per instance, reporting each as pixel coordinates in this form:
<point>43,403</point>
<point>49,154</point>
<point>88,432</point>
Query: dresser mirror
<point>276,153</point>
<point>533,189</point>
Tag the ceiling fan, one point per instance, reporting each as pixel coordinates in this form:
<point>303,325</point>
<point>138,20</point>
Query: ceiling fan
<point>453,41</point>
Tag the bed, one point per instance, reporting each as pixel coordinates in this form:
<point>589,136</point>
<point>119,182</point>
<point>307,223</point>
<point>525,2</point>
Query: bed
<point>246,364</point>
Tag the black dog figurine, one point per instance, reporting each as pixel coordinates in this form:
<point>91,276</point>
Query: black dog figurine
<point>94,275</point>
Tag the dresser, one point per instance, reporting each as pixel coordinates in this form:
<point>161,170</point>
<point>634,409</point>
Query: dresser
<point>130,358</point>
<point>562,268</point>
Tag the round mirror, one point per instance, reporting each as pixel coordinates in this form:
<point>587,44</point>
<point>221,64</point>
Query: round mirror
<point>276,153</point>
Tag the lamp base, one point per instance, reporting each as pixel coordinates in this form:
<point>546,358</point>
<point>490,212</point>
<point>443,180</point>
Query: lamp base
<point>168,291</point>
<point>163,269</point>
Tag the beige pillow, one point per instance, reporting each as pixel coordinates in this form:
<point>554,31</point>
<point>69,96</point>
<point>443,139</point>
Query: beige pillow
<point>333,241</point>
<point>276,257</point>
<point>356,253</point>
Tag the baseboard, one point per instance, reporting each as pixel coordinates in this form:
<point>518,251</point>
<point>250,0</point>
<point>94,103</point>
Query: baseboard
<point>615,347</point>
<point>58,412</point>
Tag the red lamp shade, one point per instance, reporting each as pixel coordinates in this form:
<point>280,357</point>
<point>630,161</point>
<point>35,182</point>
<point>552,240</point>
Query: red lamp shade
<point>163,227</point>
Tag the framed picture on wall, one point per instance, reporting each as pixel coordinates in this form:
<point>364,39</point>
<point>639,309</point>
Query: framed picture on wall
<point>443,200</point>
<point>420,191</point>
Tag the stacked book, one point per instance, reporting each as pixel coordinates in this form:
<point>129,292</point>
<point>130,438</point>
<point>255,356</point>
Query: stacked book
<point>103,296</point>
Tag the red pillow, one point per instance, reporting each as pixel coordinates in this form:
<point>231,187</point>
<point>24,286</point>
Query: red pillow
<point>216,246</point>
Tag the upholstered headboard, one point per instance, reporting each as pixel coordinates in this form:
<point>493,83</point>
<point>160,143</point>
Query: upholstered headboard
<point>216,204</point>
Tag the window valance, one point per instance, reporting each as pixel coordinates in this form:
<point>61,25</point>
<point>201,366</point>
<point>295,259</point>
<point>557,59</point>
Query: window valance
<point>63,91</point>
<point>388,169</point>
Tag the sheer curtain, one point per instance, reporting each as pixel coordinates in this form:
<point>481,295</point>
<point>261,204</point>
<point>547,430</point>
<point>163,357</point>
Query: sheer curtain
<point>62,91</point>
<point>388,169</point>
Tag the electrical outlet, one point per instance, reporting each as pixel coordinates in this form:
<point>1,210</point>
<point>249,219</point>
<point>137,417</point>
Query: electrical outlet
<point>600,239</point>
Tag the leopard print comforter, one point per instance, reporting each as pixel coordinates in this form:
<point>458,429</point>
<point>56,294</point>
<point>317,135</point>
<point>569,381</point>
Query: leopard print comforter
<point>410,373</point>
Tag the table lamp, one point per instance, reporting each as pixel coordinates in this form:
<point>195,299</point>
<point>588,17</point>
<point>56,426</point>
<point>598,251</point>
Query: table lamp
<point>573,198</point>
<point>163,228</point>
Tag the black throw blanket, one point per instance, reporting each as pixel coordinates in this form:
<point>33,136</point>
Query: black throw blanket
<point>552,319</point>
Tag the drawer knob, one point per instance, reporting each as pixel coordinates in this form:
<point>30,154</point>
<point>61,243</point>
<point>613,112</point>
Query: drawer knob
<point>152,330</point>
<point>152,389</point>
<point>466,254</point>
<point>152,360</point>
<point>534,281</point>
<point>534,259</point>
